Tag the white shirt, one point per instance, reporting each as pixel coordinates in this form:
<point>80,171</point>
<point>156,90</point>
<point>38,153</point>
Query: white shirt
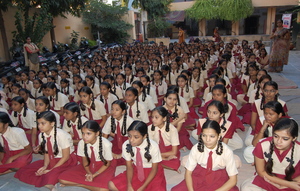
<point>153,151</point>
<point>223,161</point>
<point>28,122</point>
<point>61,101</point>
<point>106,149</point>
<point>97,113</point>
<point>148,102</point>
<point>162,89</point>
<point>143,112</point>
<point>30,104</point>
<point>170,138</point>
<point>27,85</point>
<point>186,95</point>
<point>63,140</point>
<point>70,129</point>
<point>71,91</point>
<point>35,92</point>
<point>15,137</point>
<point>95,89</point>
<point>110,99</point>
<point>152,93</point>
<point>107,127</point>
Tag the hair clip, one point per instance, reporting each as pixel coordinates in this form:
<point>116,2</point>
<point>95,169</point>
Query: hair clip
<point>268,155</point>
<point>289,160</point>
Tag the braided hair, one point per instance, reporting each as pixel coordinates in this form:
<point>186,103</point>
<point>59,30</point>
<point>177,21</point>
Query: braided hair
<point>136,94</point>
<point>291,127</point>
<point>199,75</point>
<point>21,101</point>
<point>260,81</point>
<point>212,125</point>
<point>187,82</point>
<point>74,108</point>
<point>221,109</point>
<point>68,85</point>
<point>224,91</point>
<point>188,75</point>
<point>50,117</point>
<point>52,85</point>
<point>92,79</point>
<point>175,114</point>
<point>147,88</point>
<point>88,91</point>
<point>141,86</point>
<point>164,113</point>
<point>161,77</point>
<point>142,128</point>
<point>275,86</point>
<point>94,127</point>
<point>123,107</point>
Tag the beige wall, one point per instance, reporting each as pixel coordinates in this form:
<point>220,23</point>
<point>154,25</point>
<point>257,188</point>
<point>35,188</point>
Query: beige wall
<point>129,18</point>
<point>62,30</point>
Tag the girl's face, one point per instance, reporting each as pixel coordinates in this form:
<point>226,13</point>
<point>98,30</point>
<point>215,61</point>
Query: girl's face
<point>212,82</point>
<point>130,97</point>
<point>145,66</point>
<point>104,90</point>
<point>282,140</point>
<point>63,84</point>
<point>58,67</point>
<point>24,77</point>
<point>63,75</point>
<point>75,70</point>
<point>103,73</point>
<point>210,138</point>
<point>213,113</point>
<point>50,92</point>
<point>260,74</point>
<point>45,126</point>
<point>155,64</point>
<point>85,98</point>
<point>218,95</point>
<point>117,112</point>
<point>16,106</point>
<point>76,80</point>
<point>3,127</point>
<point>116,70</point>
<point>144,81</point>
<point>18,78</point>
<point>36,84</point>
<point>156,76</point>
<point>127,71</point>
<point>158,120</point>
<point>224,65</point>
<point>15,89</point>
<point>69,115</point>
<point>139,74</point>
<point>88,82</point>
<point>89,136</point>
<point>252,58</point>
<point>171,100</point>
<point>195,73</point>
<point>135,138</point>
<point>270,92</point>
<point>120,80</point>
<point>181,82</point>
<point>271,116</point>
<point>174,65</point>
<point>31,74</point>
<point>24,95</point>
<point>4,80</point>
<point>252,71</point>
<point>138,88</point>
<point>50,80</point>
<point>40,106</point>
<point>262,83</point>
<point>90,72</point>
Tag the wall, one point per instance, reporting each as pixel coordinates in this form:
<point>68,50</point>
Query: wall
<point>61,32</point>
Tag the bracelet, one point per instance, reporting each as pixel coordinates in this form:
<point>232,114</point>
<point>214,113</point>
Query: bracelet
<point>96,173</point>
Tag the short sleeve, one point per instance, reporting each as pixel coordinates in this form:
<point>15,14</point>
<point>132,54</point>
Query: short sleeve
<point>65,140</point>
<point>80,149</point>
<point>253,108</point>
<point>107,126</point>
<point>155,153</point>
<point>21,137</point>
<point>230,163</point>
<point>258,152</point>
<point>192,159</point>
<point>107,149</point>
<point>174,136</point>
<point>125,154</point>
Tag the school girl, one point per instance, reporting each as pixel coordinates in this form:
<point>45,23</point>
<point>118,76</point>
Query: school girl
<point>36,91</point>
<point>98,166</point>
<point>107,97</point>
<point>25,82</point>
<point>277,160</point>
<point>66,89</point>
<point>135,109</point>
<point>143,169</point>
<point>57,147</point>
<point>216,111</point>
<point>130,78</point>
<point>42,76</point>
<point>73,121</point>
<point>197,82</point>
<point>15,150</point>
<point>210,165</point>
<point>168,76</point>
<point>148,88</point>
<point>175,69</point>
<point>15,90</point>
<point>121,83</point>
<point>273,111</point>
<point>24,118</point>
<point>159,85</point>
<point>143,97</point>
<point>114,88</point>
<point>91,108</point>
<point>166,136</point>
<point>92,85</point>
<point>29,100</point>
<point>116,126</point>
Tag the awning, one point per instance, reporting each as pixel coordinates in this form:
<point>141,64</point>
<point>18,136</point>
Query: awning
<point>176,16</point>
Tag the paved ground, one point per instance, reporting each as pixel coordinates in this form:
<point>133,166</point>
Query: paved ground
<point>289,78</point>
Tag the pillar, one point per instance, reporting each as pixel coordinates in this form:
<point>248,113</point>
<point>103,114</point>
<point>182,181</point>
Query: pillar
<point>270,20</point>
<point>202,27</point>
<point>235,28</point>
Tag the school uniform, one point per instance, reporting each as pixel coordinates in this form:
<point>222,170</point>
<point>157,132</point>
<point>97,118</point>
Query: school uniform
<point>124,87</point>
<point>157,183</point>
<point>118,91</point>
<point>108,101</point>
<point>176,73</point>
<point>64,141</point>
<point>222,167</point>
<point>132,112</point>
<point>27,84</point>
<point>148,102</point>
<point>95,89</point>
<point>130,79</point>
<point>166,140</point>
<point>96,114</point>
<point>78,173</point>
<point>36,92</point>
<point>73,128</point>
<point>58,102</point>
<point>30,103</point>
<point>65,91</point>
<point>4,104</point>
<point>160,90</point>
<point>171,78</point>
<point>187,96</point>
<point>152,93</point>
<point>25,122</point>
<point>280,162</point>
<point>14,141</point>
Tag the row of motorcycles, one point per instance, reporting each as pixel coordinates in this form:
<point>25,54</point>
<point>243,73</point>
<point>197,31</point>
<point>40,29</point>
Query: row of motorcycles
<point>48,58</point>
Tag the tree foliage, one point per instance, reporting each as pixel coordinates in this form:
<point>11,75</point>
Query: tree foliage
<point>107,20</point>
<point>232,10</point>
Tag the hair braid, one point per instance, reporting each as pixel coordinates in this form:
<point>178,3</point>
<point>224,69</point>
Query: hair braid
<point>113,125</point>
<point>100,150</point>
<point>137,108</point>
<point>269,164</point>
<point>290,170</point>
<point>147,149</point>
<point>200,145</point>
<point>168,122</point>
<point>86,154</point>
<point>43,150</point>
<point>223,125</point>
<point>55,141</point>
<point>219,150</point>
<point>129,149</point>
<point>262,102</point>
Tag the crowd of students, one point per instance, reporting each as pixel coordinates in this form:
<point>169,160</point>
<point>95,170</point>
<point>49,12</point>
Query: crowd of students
<point>139,106</point>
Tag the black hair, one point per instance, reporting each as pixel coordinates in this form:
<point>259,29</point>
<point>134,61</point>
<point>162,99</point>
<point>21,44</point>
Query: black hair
<point>50,117</point>
<point>221,109</point>
<point>224,91</point>
<point>142,128</point>
<point>140,84</point>
<point>215,126</point>
<point>124,77</point>
<point>259,81</point>
<point>161,79</point>
<point>275,86</point>
<point>175,114</point>
<point>94,127</point>
<point>92,79</point>
<point>291,126</point>
<point>68,86</point>
<point>187,82</point>
<point>164,113</point>
<point>20,100</point>
<point>74,107</point>
<point>27,92</point>
<point>135,93</point>
<point>52,86</point>
<point>88,91</point>
<point>147,88</point>
<point>123,107</point>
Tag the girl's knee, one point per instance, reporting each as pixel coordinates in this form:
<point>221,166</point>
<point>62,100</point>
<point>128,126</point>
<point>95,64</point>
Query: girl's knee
<point>111,186</point>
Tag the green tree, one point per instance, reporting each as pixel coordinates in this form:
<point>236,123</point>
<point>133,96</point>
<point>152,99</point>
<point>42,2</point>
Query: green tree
<point>107,20</point>
<point>232,10</point>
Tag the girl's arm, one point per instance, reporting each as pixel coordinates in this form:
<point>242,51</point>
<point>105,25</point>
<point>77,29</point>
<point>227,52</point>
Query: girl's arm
<point>42,170</point>
<point>85,165</point>
<point>189,180</point>
<point>253,119</point>
<point>191,102</point>
<point>244,87</point>
<point>104,117</point>
<point>150,176</point>
<point>230,183</point>
<point>61,111</point>
<point>102,169</point>
<point>75,142</point>
<point>64,158</point>
<point>129,174</point>
<point>173,152</point>
<point>225,140</point>
<point>27,150</point>
<point>260,169</point>
<point>33,136</point>
<point>260,134</point>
